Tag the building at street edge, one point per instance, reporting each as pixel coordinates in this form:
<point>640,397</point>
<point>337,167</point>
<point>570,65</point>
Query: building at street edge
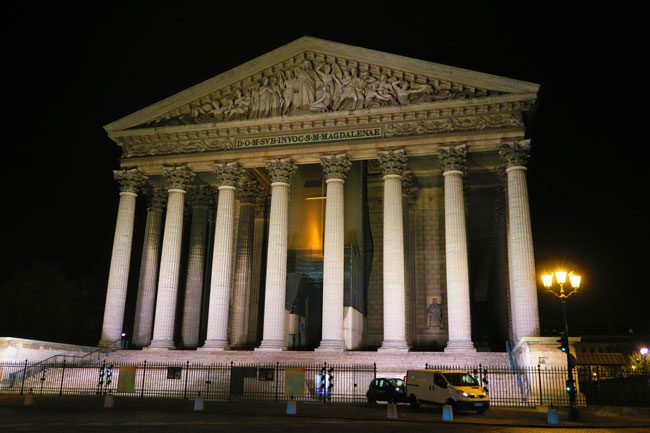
<point>329,198</point>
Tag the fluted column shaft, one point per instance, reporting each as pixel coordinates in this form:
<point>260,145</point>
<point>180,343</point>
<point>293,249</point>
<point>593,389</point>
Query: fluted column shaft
<point>118,277</point>
<point>178,178</point>
<point>335,168</point>
<point>243,262</point>
<point>458,301</point>
<point>201,201</point>
<point>217,332</point>
<point>453,161</point>
<point>274,332</point>
<point>258,244</point>
<point>521,257</point>
<point>393,164</point>
<point>146,300</point>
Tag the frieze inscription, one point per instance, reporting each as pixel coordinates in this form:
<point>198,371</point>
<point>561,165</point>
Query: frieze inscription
<point>315,137</point>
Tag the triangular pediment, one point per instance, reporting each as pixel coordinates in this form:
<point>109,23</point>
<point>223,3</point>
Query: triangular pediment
<point>310,76</point>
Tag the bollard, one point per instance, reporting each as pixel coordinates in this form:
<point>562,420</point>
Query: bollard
<point>29,398</point>
<point>198,403</point>
<point>391,411</point>
<point>551,416</point>
<point>447,413</point>
<point>109,401</point>
<point>291,406</point>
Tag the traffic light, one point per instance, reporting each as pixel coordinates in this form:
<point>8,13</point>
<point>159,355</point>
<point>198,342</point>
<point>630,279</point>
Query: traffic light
<point>564,343</point>
<point>569,386</point>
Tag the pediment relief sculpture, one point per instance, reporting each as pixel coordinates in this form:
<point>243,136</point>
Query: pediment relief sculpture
<point>306,85</point>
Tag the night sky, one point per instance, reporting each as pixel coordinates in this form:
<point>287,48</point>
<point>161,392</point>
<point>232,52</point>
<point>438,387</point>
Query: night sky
<point>71,71</point>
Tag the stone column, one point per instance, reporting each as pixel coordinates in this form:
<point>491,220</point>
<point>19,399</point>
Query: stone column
<point>334,169</point>
<point>409,200</point>
<point>118,277</point>
<point>228,177</point>
<point>201,200</point>
<point>452,160</point>
<point>146,301</point>
<point>274,333</point>
<point>521,257</point>
<point>258,245</point>
<point>178,180</point>
<point>241,293</point>
<point>393,163</point>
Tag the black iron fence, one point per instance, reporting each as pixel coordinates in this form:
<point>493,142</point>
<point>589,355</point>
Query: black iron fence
<point>518,387</point>
<point>313,382</point>
<point>532,386</point>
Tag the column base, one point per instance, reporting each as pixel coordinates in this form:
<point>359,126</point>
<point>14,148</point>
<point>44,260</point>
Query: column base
<point>394,346</point>
<point>214,345</point>
<point>460,346</point>
<point>159,344</point>
<point>331,346</point>
<point>271,346</point>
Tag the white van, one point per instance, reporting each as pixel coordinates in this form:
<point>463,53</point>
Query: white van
<point>456,388</point>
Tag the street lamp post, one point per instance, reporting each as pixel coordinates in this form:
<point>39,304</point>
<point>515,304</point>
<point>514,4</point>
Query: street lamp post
<point>560,278</point>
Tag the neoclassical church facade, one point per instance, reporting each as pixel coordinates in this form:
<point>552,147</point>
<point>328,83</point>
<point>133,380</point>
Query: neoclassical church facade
<point>327,197</point>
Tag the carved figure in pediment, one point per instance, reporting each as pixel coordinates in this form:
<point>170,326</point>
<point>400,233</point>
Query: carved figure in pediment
<point>240,106</point>
<point>286,81</point>
<point>379,93</point>
<point>420,93</point>
<point>304,88</point>
<point>265,97</point>
<point>253,112</point>
<point>352,96</point>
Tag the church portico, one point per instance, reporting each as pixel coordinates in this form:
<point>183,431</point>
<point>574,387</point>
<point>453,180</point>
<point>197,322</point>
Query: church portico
<point>341,177</point>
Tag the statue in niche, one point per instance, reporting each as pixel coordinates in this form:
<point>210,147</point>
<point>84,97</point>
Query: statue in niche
<point>434,314</point>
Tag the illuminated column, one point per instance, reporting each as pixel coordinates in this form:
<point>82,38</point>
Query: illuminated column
<point>201,199</point>
<point>409,200</point>
<point>274,332</point>
<point>228,177</point>
<point>334,168</point>
<point>178,179</point>
<point>521,257</point>
<point>130,181</point>
<point>241,294</point>
<point>146,301</point>
<point>452,160</point>
<point>258,245</point>
<point>393,163</point>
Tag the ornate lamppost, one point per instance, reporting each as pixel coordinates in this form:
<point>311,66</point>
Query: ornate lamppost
<point>557,289</point>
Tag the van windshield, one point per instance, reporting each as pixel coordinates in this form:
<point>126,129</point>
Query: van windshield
<point>461,379</point>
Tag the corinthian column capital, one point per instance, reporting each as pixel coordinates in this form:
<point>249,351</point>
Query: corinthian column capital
<point>281,170</point>
<point>130,180</point>
<point>249,190</point>
<point>228,174</point>
<point>335,166</point>
<point>515,154</point>
<point>201,195</point>
<point>178,176</point>
<point>410,187</point>
<point>156,197</point>
<point>453,158</point>
<point>392,161</point>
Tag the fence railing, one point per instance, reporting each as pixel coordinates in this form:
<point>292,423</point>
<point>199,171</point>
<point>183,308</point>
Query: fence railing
<point>515,387</point>
<point>322,382</point>
<point>532,386</point>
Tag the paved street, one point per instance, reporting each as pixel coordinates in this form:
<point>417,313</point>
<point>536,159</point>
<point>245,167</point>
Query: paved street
<point>65,414</point>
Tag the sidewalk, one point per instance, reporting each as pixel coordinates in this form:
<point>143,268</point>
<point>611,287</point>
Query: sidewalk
<point>263,409</point>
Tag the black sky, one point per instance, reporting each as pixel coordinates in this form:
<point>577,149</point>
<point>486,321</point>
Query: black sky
<point>74,69</point>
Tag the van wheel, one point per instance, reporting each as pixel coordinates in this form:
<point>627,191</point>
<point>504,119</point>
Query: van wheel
<point>413,401</point>
<point>481,411</point>
<point>371,400</point>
